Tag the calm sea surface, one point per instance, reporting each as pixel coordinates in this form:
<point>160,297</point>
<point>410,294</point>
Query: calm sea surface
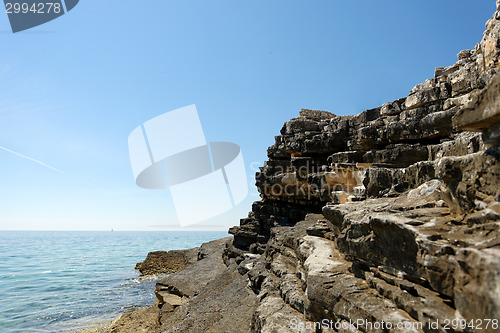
<point>61,281</point>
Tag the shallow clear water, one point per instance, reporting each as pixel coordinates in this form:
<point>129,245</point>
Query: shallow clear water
<point>61,281</point>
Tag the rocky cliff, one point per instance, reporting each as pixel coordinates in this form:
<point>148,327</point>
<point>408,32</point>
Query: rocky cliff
<point>386,221</point>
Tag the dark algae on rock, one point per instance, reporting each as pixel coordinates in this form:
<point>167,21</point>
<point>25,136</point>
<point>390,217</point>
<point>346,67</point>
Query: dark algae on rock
<point>386,221</point>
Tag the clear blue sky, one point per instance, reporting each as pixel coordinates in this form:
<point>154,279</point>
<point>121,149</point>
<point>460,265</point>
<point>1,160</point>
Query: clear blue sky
<point>73,89</point>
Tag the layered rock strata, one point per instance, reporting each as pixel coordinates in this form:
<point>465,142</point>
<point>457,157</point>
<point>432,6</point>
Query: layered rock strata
<point>391,216</point>
<point>409,194</point>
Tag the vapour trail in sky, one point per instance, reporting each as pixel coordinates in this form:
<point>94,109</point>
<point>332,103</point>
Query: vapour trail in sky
<point>32,159</point>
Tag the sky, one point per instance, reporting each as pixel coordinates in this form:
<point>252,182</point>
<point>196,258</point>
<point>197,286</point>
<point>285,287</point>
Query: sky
<point>73,89</point>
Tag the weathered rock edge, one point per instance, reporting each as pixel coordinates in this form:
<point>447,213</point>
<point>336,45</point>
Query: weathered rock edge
<point>166,262</point>
<point>391,215</point>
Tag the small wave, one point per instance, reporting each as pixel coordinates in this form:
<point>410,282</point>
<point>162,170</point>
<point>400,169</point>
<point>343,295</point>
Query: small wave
<point>150,277</point>
<point>47,272</point>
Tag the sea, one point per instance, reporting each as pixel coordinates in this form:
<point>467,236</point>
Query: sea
<point>64,281</point>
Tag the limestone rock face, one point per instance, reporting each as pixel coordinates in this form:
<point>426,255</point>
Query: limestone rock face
<point>389,216</point>
<point>320,158</point>
<point>482,113</point>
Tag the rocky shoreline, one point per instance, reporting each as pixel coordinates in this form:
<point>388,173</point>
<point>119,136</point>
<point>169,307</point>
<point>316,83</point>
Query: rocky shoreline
<point>389,216</point>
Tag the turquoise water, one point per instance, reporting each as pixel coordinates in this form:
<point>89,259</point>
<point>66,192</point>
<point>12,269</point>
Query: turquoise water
<point>62,281</point>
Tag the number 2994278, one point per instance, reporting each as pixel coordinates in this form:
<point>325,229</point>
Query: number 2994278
<point>35,8</point>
